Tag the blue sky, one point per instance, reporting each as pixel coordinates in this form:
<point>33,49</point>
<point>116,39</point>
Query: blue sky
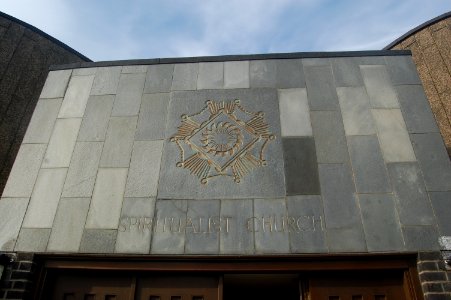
<point>134,29</point>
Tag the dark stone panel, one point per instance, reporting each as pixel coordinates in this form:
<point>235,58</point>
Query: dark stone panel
<point>290,74</point>
<point>321,91</point>
<point>347,72</point>
<point>441,202</point>
<point>301,168</point>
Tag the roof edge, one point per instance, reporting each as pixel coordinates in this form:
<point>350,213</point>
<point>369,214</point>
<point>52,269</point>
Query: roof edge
<point>46,35</point>
<point>417,29</point>
<point>155,61</point>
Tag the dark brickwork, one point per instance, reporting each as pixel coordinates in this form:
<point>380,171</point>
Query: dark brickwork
<point>435,278</point>
<point>16,282</point>
<point>25,57</point>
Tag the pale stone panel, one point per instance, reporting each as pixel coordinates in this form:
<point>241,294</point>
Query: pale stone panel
<point>44,201</point>
<point>294,113</point>
<point>355,108</point>
<point>41,124</point>
<point>84,71</point>
<point>32,239</point>
<point>77,94</point>
<point>12,211</point>
<point>379,87</point>
<point>211,75</point>
<point>56,83</point>
<point>129,93</point>
<point>107,198</point>
<point>236,74</point>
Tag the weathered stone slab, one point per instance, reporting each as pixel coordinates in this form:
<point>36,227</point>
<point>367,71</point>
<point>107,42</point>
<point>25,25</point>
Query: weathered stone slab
<point>32,240</point>
<point>185,77</point>
<point>108,192</point>
<point>170,241</point>
<point>339,200</point>
<point>129,93</point>
<point>290,74</point>
<point>134,69</point>
<point>393,136</point>
<point>368,165</point>
<point>211,75</point>
<point>263,73</point>
<point>152,117</point>
<point>133,233</point>
<point>416,110</point>
<point>421,238</point>
<point>202,237</point>
<point>402,70</point>
<point>56,84</point>
<point>262,181</point>
<point>68,225</point>
<point>437,167</point>
<point>321,91</point>
<point>236,74</point>
<point>270,236</point>
<point>301,168</point>
<point>381,224</point>
<point>414,207</point>
<point>98,241</point>
<point>62,143</point>
<point>159,79</point>
<point>84,71</point>
<point>346,240</point>
<point>95,122</point>
<point>106,80</point>
<point>10,222</point>
<point>76,97</point>
<point>329,137</point>
<point>44,200</point>
<point>355,109</point>
<point>144,170</point>
<point>346,71</point>
<point>307,228</point>
<point>441,202</point>
<point>378,86</point>
<point>294,113</point>
<point>236,239</point>
<point>119,142</point>
<point>309,62</point>
<point>83,169</point>
<point>41,124</point>
<point>24,171</point>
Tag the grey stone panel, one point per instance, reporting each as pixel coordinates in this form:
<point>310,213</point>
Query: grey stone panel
<point>329,137</point>
<point>202,237</point>
<point>368,165</point>
<point>44,200</point>
<point>118,142</point>
<point>294,113</point>
<point>10,222</point>
<point>309,62</point>
<point>170,241</point>
<point>301,168</point>
<point>68,225</point>
<point>83,169</point>
<point>402,70</point>
<point>310,238</point>
<point>236,74</point>
<point>134,69</point>
<point>266,181</point>
<point>32,239</point>
<point>152,117</point>
<point>413,204</point>
<point>106,81</point>
<point>321,90</point>
<point>441,202</point>
<point>56,84</point>
<point>62,143</point>
<point>270,235</point>
<point>84,71</point>
<point>25,170</point>
<point>129,94</point>
<point>42,122</point>
<point>371,60</point>
<point>381,223</point>
<point>98,241</point>
<point>434,161</point>
<point>159,79</point>
<point>133,233</point>
<point>185,77</point>
<point>346,240</point>
<point>211,75</point>
<point>236,239</point>
<point>144,170</point>
<point>95,121</point>
<point>108,192</point>
<point>355,108</point>
<point>393,136</point>
<point>421,238</point>
<point>416,109</point>
<point>378,86</point>
<point>340,203</point>
<point>76,97</point>
<point>346,71</point>
<point>290,74</point>
<point>263,73</point>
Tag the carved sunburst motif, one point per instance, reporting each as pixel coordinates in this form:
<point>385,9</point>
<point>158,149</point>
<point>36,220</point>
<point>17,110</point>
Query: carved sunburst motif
<point>223,139</point>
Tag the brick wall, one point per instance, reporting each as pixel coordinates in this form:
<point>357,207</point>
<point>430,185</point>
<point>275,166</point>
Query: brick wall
<point>435,278</point>
<point>16,282</point>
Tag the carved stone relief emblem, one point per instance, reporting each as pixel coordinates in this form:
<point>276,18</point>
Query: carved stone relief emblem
<point>222,140</point>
